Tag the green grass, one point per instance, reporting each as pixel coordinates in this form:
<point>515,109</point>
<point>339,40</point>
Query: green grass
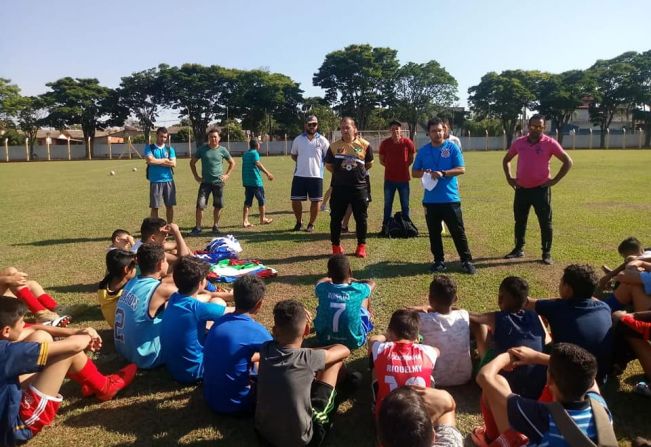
<point>57,218</point>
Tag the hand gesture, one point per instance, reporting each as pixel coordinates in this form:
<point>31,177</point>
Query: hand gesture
<point>523,355</point>
<point>95,340</point>
<point>18,279</point>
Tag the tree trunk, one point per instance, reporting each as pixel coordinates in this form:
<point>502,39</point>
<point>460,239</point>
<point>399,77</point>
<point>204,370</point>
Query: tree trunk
<point>602,139</point>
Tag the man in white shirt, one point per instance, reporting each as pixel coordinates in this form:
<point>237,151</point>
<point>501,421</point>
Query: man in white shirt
<point>308,151</point>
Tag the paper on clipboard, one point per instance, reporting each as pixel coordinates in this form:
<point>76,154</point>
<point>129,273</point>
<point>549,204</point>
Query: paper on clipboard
<point>428,182</point>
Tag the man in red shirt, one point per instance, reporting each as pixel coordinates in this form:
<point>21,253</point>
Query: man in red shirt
<point>396,155</point>
<point>533,182</point>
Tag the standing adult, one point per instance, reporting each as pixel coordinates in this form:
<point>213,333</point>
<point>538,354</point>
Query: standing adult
<point>308,151</point>
<point>348,159</point>
<point>396,155</point>
<point>442,161</point>
<point>160,163</point>
<point>212,180</point>
<point>533,184</point>
<point>449,136</point>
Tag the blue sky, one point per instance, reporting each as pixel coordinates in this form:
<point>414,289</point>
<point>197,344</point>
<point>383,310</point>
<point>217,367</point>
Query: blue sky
<point>43,40</point>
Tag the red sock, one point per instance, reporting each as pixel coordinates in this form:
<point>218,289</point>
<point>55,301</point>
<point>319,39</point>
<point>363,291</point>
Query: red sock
<point>48,301</point>
<point>89,375</point>
<point>489,421</point>
<point>26,295</point>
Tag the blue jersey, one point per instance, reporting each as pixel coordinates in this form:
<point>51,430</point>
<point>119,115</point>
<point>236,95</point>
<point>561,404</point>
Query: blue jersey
<point>440,158</point>
<point>136,334</point>
<point>16,359</point>
<point>339,313</point>
<point>182,334</point>
<point>250,170</point>
<point>231,342</point>
<point>160,174</point>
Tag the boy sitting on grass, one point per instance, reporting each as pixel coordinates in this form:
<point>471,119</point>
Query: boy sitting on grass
<point>448,330</point>
<point>34,367</point>
<point>253,186</point>
<point>231,351</point>
<point>630,249</point>
<point>343,314</point>
<point>296,386</point>
<point>183,329</point>
<point>398,359</point>
<point>121,239</point>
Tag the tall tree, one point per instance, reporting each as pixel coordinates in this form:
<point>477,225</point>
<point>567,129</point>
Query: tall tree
<point>199,93</point>
<point>642,113</point>
<point>84,102</point>
<point>30,115</point>
<point>421,90</point>
<point>328,119</point>
<point>9,95</point>
<point>503,96</point>
<point>142,94</point>
<point>358,79</point>
<point>560,95</point>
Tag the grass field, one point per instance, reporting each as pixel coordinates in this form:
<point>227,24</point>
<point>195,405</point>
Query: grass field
<point>58,216</point>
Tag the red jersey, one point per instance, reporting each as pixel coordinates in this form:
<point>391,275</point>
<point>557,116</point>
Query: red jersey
<point>399,364</point>
<point>396,159</point>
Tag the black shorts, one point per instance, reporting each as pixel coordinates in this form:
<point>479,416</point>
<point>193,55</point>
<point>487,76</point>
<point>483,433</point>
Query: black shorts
<point>307,187</point>
<point>322,397</point>
<point>205,189</point>
<point>253,191</point>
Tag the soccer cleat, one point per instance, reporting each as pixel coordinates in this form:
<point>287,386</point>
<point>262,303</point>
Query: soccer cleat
<point>337,249</point>
<point>438,267</point>
<point>641,327</point>
<point>116,382</point>
<point>196,231</point>
<point>310,228</point>
<point>63,321</point>
<point>515,253</point>
<point>468,268</point>
<point>298,226</point>
<point>547,258</point>
<point>361,251</point>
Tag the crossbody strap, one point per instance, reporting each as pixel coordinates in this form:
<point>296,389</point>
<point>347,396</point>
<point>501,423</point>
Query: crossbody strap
<point>567,427</point>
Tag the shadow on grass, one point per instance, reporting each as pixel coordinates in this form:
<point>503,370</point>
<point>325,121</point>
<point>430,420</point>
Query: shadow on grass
<point>294,259</point>
<point>49,242</point>
<point>75,288</point>
<point>85,312</point>
<point>307,279</point>
<point>393,269</point>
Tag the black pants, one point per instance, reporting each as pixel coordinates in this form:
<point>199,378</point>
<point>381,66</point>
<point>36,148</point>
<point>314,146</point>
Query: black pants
<point>450,213</point>
<point>541,200</point>
<point>341,197</point>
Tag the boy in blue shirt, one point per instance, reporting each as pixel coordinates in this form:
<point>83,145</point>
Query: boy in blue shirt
<point>253,186</point>
<point>161,161</point>
<point>183,329</point>
<point>343,312</point>
<point>231,351</point>
<point>34,367</point>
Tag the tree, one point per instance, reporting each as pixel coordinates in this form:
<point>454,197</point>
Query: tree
<point>142,94</point>
<point>421,90</point>
<point>328,119</point>
<point>503,96</point>
<point>30,115</point>
<point>199,93</point>
<point>642,113</point>
<point>9,94</point>
<point>560,95</point>
<point>613,88</point>
<point>358,79</point>
<point>232,130</point>
<point>85,102</point>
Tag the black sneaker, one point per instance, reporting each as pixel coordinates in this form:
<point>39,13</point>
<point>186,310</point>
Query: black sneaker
<point>515,253</point>
<point>547,259</point>
<point>468,268</point>
<point>196,231</point>
<point>215,230</point>
<point>438,267</point>
<point>298,226</point>
<point>310,228</point>
<point>383,231</point>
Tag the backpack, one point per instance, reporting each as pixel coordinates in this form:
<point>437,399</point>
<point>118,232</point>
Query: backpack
<point>574,436</point>
<point>399,226</point>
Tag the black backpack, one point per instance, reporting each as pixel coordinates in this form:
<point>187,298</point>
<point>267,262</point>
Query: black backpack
<point>399,226</point>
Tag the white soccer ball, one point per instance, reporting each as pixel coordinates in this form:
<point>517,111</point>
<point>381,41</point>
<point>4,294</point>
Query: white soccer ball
<point>112,173</point>
<point>135,169</point>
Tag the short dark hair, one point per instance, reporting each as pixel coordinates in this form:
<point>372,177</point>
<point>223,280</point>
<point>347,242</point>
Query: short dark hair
<point>517,291</point>
<point>404,421</point>
<point>119,232</point>
<point>434,122</point>
<point>536,117</point>
<point>338,268</point>
<point>151,226</point>
<point>116,261</point>
<point>253,143</point>
<point>148,256</point>
<point>213,130</point>
<point>188,273</point>
<point>442,290</point>
<point>289,318</point>
<point>581,278</point>
<point>573,369</point>
<point>348,118</point>
<point>11,310</point>
<point>162,129</point>
<point>248,291</point>
<point>629,246</point>
<point>404,324</point>
<point>395,123</point>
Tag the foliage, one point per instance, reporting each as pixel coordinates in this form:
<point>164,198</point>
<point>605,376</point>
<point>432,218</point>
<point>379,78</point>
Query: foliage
<point>9,94</point>
<point>479,127</point>
<point>30,115</point>
<point>142,94</point>
<point>232,130</point>
<point>421,90</point>
<point>328,119</point>
<point>183,135</point>
<point>358,79</point>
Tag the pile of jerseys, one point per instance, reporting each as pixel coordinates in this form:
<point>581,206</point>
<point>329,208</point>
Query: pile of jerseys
<point>228,270</point>
<point>222,254</point>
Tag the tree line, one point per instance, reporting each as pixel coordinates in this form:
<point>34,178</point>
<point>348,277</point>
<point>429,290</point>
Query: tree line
<point>362,81</point>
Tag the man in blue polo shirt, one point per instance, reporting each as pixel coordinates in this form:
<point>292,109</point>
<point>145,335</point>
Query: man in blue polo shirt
<point>160,163</point>
<point>440,162</point>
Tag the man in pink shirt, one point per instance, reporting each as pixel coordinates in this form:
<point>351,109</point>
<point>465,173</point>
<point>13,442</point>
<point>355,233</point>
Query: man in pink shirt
<point>533,183</point>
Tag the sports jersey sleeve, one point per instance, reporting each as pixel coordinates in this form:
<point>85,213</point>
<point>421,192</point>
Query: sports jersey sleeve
<point>418,162</point>
<point>430,352</point>
<point>24,358</point>
<point>376,348</point>
<point>199,153</point>
<point>329,157</point>
<point>645,277</point>
<point>316,359</point>
<point>369,154</point>
<point>148,152</point>
<point>225,153</point>
<point>209,311</point>
<point>172,152</point>
<point>545,308</point>
<point>528,417</point>
<point>457,156</point>
<point>363,289</point>
<point>294,150</point>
